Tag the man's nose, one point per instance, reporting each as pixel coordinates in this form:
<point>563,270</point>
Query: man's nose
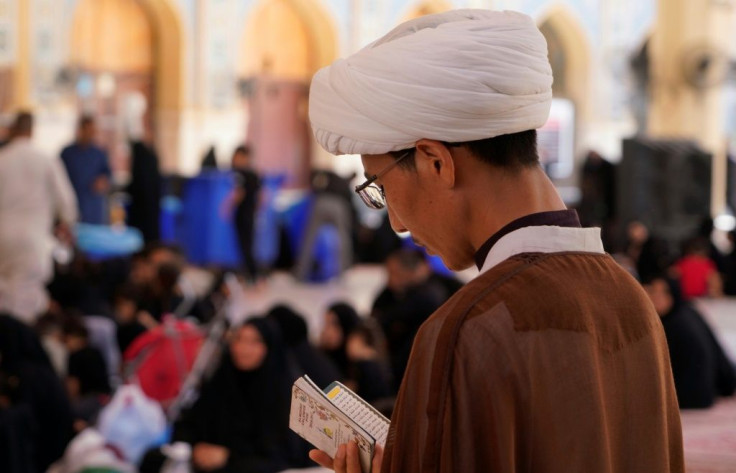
<point>396,224</point>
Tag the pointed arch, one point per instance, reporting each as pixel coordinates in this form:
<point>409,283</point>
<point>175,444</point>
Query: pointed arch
<point>112,36</point>
<point>149,33</point>
<point>428,7</point>
<point>288,39</point>
<point>569,48</point>
<point>141,43</point>
<point>169,54</point>
<point>284,43</point>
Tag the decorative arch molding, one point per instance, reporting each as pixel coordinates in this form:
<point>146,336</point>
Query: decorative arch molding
<point>568,32</point>
<point>321,29</point>
<point>169,54</point>
<point>169,70</point>
<point>164,34</point>
<point>428,7</point>
<point>284,43</point>
<point>312,23</point>
<point>112,36</point>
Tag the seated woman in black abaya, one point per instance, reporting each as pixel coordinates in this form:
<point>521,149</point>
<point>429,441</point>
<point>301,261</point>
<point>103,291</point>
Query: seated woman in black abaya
<point>240,422</point>
<point>701,369</point>
<point>355,346</point>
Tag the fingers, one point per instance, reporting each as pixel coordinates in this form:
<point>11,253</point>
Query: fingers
<point>353,458</point>
<point>377,459</point>
<point>321,458</point>
<point>341,461</point>
<point>347,459</point>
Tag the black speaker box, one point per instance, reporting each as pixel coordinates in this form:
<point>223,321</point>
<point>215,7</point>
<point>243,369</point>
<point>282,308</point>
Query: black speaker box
<point>665,184</point>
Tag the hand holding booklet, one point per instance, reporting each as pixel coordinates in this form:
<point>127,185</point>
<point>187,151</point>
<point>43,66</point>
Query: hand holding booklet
<point>330,418</point>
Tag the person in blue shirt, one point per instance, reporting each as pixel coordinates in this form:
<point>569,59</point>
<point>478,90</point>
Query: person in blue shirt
<point>89,172</point>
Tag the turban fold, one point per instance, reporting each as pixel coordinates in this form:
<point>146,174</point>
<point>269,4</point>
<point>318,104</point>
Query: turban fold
<point>463,75</point>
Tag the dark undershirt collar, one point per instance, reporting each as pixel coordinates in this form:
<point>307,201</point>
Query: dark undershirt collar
<point>555,218</point>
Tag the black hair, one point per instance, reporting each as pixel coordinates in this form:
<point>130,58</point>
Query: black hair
<point>48,323</point>
<point>408,258</point>
<point>74,326</point>
<point>371,334</point>
<point>242,149</point>
<point>292,325</point>
<point>514,151</point>
<point>694,245</point>
<point>168,276</point>
<point>155,246</point>
<point>127,292</point>
<point>673,285</point>
<point>408,162</point>
<point>85,120</point>
<point>10,388</point>
<point>347,317</point>
<point>23,123</point>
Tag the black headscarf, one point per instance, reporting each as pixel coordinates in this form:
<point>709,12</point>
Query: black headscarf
<point>675,292</point>
<point>269,385</point>
<point>247,412</point>
<point>19,343</point>
<point>293,326</point>
<point>317,365</point>
<point>348,319</point>
<point>39,388</point>
<point>700,368</point>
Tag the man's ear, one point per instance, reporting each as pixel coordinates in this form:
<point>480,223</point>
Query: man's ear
<point>434,157</point>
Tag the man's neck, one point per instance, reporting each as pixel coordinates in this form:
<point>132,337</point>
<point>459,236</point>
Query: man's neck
<point>511,196</point>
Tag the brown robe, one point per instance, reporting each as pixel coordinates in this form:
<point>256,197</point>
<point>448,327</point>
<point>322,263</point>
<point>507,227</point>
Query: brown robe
<point>544,363</point>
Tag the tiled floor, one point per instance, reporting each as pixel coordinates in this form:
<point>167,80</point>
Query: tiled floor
<point>358,286</point>
<point>710,435</point>
<point>710,438</point>
<point>721,314</point>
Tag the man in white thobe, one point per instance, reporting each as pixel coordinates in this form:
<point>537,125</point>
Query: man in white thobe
<point>35,193</point>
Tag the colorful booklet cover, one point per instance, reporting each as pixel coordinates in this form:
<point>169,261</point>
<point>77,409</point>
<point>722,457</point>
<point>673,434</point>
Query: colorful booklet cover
<point>330,418</point>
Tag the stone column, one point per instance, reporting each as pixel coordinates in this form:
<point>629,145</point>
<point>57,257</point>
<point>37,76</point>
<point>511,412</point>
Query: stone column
<point>22,71</point>
<point>684,31</point>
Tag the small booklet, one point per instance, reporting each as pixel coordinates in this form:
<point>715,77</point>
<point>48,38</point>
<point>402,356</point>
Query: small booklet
<point>330,418</point>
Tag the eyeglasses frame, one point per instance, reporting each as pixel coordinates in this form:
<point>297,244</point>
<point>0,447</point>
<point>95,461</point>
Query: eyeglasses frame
<point>359,189</point>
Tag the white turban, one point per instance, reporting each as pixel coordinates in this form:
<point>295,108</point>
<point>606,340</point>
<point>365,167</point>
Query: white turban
<point>458,76</point>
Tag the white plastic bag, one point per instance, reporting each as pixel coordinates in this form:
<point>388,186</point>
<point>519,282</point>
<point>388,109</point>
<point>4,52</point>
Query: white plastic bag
<point>88,451</point>
<point>132,422</point>
<point>177,455</point>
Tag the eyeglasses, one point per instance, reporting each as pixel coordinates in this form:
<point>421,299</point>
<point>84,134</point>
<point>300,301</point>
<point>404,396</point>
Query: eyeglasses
<point>372,195</point>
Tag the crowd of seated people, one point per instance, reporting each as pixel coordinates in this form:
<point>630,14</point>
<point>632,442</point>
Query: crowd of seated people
<point>674,280</point>
<point>58,375</point>
<point>701,370</point>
